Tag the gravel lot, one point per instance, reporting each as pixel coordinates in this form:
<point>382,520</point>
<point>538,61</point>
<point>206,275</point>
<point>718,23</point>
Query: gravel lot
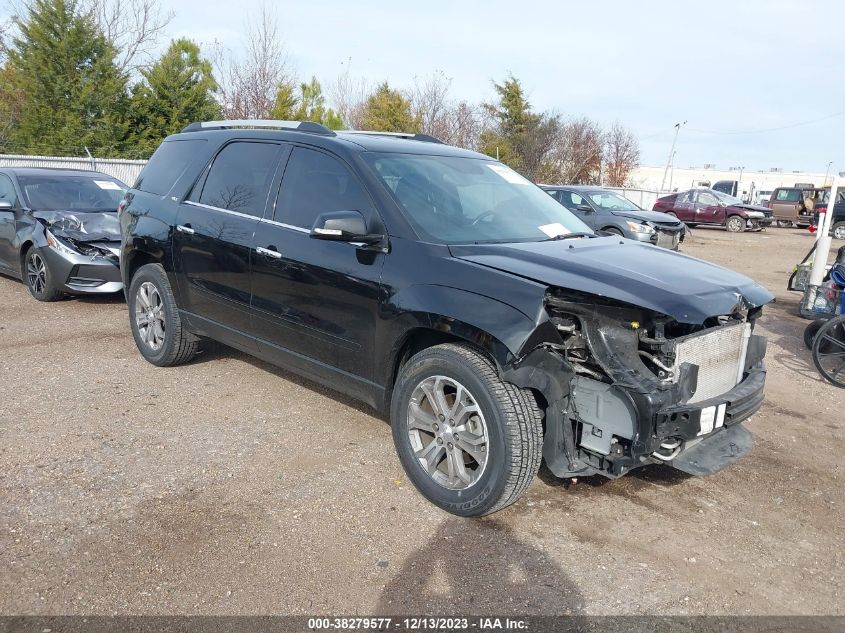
<point>231,487</point>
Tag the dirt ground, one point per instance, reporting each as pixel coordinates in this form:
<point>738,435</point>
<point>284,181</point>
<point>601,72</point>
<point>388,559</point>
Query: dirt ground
<point>231,487</point>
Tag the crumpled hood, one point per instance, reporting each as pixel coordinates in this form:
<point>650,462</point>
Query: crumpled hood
<point>647,216</point>
<point>82,227</point>
<point>685,288</point>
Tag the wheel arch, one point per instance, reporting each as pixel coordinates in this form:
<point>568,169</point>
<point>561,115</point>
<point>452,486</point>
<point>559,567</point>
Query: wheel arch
<point>25,246</point>
<point>496,329</point>
<point>133,260</point>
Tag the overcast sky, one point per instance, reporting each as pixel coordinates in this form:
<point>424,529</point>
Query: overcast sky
<point>734,70</point>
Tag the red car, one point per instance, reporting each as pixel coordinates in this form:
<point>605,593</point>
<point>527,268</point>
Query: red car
<point>705,206</point>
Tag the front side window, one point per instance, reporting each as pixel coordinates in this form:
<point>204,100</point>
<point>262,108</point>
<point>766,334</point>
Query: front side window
<point>611,201</point>
<point>457,200</point>
<point>7,190</point>
<point>316,183</point>
<point>571,200</point>
<point>80,193</point>
<point>240,176</point>
<point>707,199</point>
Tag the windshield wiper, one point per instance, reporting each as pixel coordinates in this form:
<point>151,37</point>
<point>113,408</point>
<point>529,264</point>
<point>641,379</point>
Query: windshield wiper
<point>568,236</point>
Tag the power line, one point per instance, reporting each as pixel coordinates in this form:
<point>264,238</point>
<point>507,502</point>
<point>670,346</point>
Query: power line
<point>771,129</point>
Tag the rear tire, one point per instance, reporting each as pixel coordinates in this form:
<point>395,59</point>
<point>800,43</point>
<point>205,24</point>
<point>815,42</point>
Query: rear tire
<point>480,438</point>
<point>735,224</point>
<point>838,230</point>
<point>154,318</point>
<point>38,277</point>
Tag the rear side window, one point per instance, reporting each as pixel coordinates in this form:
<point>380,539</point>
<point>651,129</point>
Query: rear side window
<point>167,165</point>
<point>316,183</point>
<point>240,176</point>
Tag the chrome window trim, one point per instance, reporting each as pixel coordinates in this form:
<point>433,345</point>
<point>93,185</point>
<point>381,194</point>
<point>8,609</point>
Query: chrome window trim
<point>298,229</point>
<point>212,208</point>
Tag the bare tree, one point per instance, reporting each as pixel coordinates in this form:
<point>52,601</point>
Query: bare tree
<point>577,151</point>
<point>248,86</point>
<point>347,96</point>
<point>429,98</point>
<point>134,27</point>
<point>456,123</point>
<point>621,155</point>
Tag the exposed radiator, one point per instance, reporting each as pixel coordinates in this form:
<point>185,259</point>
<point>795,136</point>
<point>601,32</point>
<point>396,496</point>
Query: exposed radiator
<point>720,356</point>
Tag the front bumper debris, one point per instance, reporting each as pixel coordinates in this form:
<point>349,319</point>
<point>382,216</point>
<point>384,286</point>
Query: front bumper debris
<point>713,453</point>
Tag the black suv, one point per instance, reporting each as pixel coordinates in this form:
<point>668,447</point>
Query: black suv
<point>440,286</point>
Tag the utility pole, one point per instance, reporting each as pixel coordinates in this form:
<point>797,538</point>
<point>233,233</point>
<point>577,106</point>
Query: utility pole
<point>827,171</point>
<point>671,154</point>
<point>672,171</point>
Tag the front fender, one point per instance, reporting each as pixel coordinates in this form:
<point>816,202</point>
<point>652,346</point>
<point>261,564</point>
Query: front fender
<point>496,327</point>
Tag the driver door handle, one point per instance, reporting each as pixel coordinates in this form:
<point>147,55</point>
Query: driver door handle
<point>268,252</point>
<point>185,228</point>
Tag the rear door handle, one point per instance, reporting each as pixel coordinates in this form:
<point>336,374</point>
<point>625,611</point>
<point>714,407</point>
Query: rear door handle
<point>269,252</point>
<point>185,228</point>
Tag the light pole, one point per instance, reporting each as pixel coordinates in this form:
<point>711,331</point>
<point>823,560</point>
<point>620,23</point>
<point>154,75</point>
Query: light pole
<point>827,171</point>
<point>671,153</point>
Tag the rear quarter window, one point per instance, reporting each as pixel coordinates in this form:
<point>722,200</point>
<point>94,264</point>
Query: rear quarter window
<point>168,163</point>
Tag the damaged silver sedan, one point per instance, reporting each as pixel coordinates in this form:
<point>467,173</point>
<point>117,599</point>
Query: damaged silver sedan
<point>59,231</point>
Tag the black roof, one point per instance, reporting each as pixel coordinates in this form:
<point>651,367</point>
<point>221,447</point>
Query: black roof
<point>348,141</point>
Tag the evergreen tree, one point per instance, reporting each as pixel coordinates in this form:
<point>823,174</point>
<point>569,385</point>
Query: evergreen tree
<point>308,105</point>
<point>64,70</point>
<point>387,110</point>
<point>177,90</point>
<point>520,137</point>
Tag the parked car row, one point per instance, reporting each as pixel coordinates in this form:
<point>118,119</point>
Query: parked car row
<point>491,323</point>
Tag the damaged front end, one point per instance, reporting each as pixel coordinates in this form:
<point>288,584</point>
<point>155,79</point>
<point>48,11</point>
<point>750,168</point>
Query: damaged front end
<point>84,249</point>
<point>627,386</point>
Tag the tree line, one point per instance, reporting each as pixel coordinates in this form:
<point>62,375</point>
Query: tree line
<point>79,75</point>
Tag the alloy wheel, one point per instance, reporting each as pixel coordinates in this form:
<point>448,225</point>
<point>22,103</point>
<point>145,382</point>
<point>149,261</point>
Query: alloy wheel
<point>149,315</point>
<point>36,273</point>
<point>448,433</point>
<point>839,232</point>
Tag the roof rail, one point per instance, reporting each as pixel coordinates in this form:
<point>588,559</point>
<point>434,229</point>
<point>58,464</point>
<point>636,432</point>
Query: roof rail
<point>299,126</point>
<point>425,138</point>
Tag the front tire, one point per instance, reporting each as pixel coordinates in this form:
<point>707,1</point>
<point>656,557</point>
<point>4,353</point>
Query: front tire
<point>38,277</point>
<point>735,224</point>
<point>468,441</point>
<point>839,230</point>
<point>154,318</point>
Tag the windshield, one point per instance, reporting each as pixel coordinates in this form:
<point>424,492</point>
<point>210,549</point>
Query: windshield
<point>467,200</point>
<point>723,197</point>
<point>611,201</point>
<point>83,194</point>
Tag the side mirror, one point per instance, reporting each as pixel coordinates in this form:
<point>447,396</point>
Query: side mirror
<point>585,208</point>
<point>343,226</point>
<point>5,205</point>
